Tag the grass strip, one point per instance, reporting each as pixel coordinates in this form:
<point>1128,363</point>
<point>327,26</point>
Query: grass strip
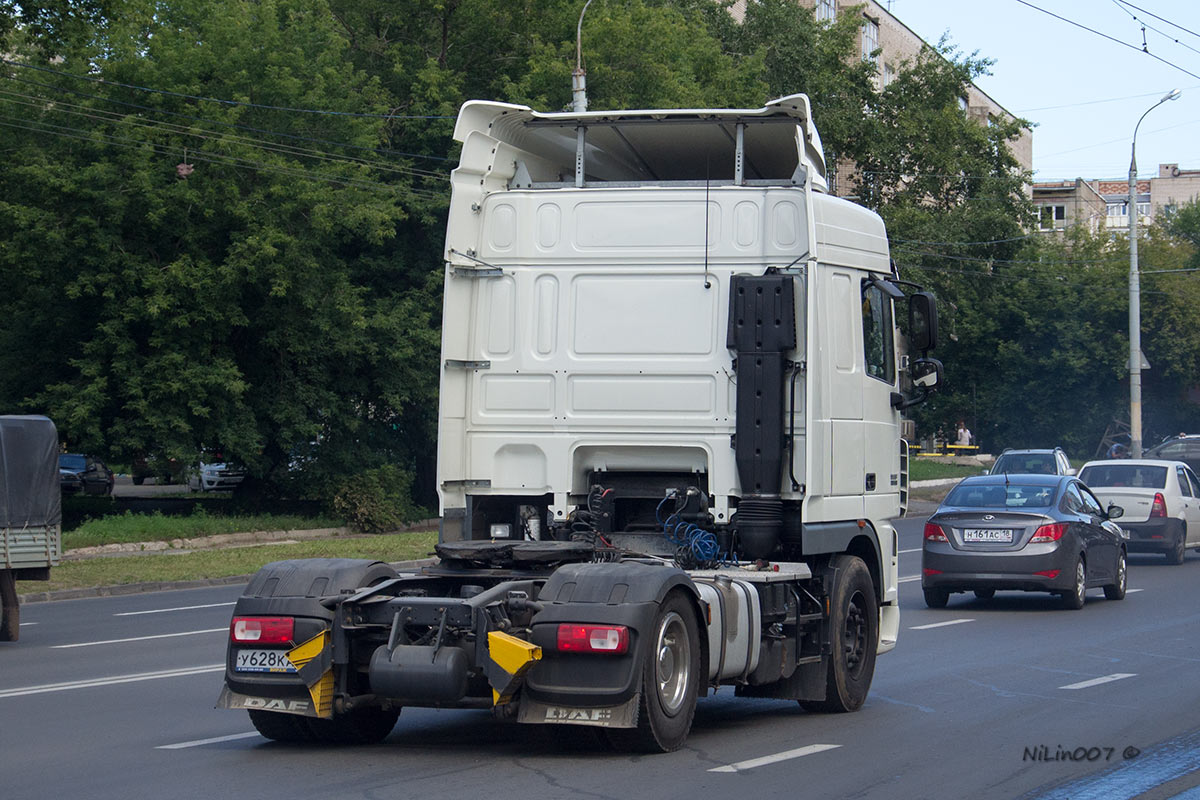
<point>222,563</point>
<point>158,527</point>
<point>924,469</point>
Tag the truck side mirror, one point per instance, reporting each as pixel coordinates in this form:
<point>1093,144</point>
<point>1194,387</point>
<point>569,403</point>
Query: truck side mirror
<point>922,321</point>
<point>926,376</point>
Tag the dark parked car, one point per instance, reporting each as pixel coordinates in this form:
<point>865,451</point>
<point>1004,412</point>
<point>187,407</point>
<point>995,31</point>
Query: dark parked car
<point>1033,533</point>
<point>1185,447</point>
<point>1033,462</point>
<point>84,474</point>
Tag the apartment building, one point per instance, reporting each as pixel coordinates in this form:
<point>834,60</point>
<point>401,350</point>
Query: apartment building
<point>1065,203</point>
<point>888,42</point>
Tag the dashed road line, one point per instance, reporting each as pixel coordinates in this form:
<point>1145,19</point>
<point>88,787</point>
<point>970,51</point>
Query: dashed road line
<point>1116,676</point>
<point>165,610</point>
<point>110,680</point>
<point>799,752</point>
<point>140,638</point>
<point>940,624</point>
<point>912,550</point>
<point>910,579</point>
<point>214,740</point>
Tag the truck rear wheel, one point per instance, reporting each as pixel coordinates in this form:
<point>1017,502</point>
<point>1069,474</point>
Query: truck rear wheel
<point>854,629</point>
<point>669,682</point>
<point>360,726</point>
<point>10,607</point>
<point>280,727</point>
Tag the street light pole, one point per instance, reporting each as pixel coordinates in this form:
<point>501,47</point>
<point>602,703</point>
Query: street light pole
<point>1135,297</point>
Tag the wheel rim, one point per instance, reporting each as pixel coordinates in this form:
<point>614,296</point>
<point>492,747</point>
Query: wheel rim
<point>855,636</point>
<point>1121,576</point>
<point>672,663</point>
<point>1080,580</point>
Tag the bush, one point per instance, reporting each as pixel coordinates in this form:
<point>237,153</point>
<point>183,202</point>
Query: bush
<point>377,500</point>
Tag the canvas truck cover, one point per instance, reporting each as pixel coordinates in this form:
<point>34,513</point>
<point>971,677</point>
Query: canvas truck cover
<point>29,484</point>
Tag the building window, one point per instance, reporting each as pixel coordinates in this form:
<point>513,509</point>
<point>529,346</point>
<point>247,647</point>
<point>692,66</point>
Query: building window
<point>826,10</point>
<point>1143,209</point>
<point>870,40</point>
<point>889,74</point>
<point>963,105</point>
<point>1116,209</point>
<point>1051,217</point>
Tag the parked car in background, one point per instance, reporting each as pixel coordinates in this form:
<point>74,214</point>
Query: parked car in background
<point>1032,533</point>
<point>162,470</point>
<point>1161,500</point>
<point>1185,447</point>
<point>219,475</point>
<point>82,474</point>
<point>1033,462</point>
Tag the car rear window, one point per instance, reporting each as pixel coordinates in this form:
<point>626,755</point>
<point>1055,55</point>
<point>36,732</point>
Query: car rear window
<point>1032,464</point>
<point>1014,495</point>
<point>1142,476</point>
<point>73,463</point>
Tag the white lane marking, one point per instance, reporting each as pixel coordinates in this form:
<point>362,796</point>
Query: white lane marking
<point>111,680</point>
<point>940,624</point>
<point>139,638</point>
<point>27,624</point>
<point>913,550</point>
<point>784,756</point>
<point>165,610</point>
<point>909,579</point>
<point>1116,676</point>
<point>214,740</point>
<point>1132,591</point>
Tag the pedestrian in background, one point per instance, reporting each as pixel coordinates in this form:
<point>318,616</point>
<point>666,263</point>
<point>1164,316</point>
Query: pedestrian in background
<point>964,434</point>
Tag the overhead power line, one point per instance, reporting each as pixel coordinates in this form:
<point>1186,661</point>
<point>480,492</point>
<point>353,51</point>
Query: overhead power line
<point>1110,38</point>
<point>1160,19</point>
<point>36,102</point>
<point>205,156</point>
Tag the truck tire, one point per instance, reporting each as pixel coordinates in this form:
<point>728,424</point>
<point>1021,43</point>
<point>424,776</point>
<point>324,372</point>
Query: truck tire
<point>280,727</point>
<point>669,682</point>
<point>854,630</point>
<point>10,607</point>
<point>360,726</point>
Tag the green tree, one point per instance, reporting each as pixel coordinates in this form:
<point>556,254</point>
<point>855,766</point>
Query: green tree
<point>182,273</point>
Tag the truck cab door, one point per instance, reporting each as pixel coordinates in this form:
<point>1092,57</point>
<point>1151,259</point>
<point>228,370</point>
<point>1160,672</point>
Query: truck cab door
<point>881,455</point>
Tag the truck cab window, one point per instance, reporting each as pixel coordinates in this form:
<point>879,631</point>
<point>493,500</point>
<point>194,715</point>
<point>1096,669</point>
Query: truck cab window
<point>877,334</point>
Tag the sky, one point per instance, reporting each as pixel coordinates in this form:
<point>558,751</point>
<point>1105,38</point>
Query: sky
<point>1085,92</point>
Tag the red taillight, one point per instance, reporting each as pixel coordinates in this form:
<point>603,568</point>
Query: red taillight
<point>1159,509</point>
<point>1049,533</point>
<point>1050,573</point>
<point>928,571</point>
<point>262,630</point>
<point>612,639</point>
<point>934,533</point>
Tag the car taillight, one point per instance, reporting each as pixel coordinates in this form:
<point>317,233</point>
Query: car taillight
<point>1049,533</point>
<point>612,639</point>
<point>934,533</point>
<point>1159,509</point>
<point>262,630</point>
<point>1049,573</point>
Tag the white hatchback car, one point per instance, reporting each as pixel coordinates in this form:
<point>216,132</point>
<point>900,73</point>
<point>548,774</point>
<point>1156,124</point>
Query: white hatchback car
<point>1161,501</point>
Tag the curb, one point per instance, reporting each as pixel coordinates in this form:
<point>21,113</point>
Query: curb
<point>163,586</point>
<point>933,482</point>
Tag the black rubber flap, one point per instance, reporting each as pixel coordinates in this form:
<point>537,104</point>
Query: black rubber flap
<point>30,496</point>
<point>486,551</point>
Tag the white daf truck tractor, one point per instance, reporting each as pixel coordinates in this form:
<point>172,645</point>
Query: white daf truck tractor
<point>669,445</point>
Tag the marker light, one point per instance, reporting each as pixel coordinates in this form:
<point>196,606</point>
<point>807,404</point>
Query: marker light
<point>573,638</point>
<point>262,630</point>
